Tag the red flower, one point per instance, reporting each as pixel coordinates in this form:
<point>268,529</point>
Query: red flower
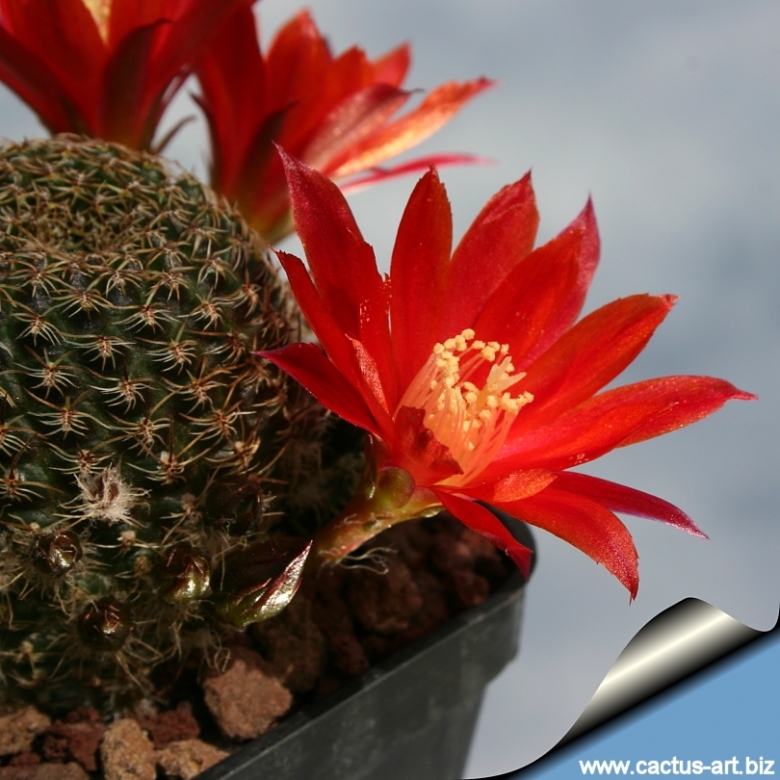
<point>102,68</point>
<point>471,374</point>
<point>334,113</point>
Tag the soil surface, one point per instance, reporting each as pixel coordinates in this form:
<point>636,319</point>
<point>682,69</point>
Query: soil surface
<point>416,576</point>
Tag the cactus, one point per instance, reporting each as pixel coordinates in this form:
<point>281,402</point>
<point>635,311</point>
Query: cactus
<point>141,443</point>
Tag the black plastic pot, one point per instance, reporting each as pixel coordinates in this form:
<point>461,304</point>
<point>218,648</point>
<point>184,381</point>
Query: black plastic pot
<point>411,716</point>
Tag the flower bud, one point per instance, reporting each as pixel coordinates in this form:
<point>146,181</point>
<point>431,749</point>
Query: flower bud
<point>184,575</point>
<point>56,553</point>
<point>258,582</point>
<point>105,625</point>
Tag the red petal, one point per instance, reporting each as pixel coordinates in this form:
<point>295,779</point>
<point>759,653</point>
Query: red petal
<point>435,110</point>
<point>621,498</point>
<point>307,364</point>
<point>584,225</point>
<point>128,110</point>
<point>418,273</point>
<point>23,72</point>
<point>616,418</point>
<point>486,524</point>
<point>351,121</point>
<point>392,67</point>
<point>232,78</point>
<point>412,166</point>
<point>416,450</point>
<point>587,525</point>
<point>512,487</point>
<point>589,356</point>
<point>690,399</point>
<point>501,235</point>
<point>183,41</point>
<point>341,262</point>
<point>325,328</point>
<point>520,311</point>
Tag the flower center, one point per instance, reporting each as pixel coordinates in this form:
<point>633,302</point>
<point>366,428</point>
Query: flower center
<point>472,422</point>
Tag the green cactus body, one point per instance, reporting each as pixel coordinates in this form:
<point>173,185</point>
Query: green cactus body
<point>139,437</point>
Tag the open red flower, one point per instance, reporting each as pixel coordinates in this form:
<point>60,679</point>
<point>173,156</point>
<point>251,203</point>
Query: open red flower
<point>471,373</point>
<point>333,113</point>
<point>101,68</point>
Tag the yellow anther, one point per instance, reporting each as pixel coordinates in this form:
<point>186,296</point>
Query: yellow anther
<point>472,421</point>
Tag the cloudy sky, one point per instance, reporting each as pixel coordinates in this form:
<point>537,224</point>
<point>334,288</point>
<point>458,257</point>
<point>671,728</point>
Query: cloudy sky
<point>668,115</point>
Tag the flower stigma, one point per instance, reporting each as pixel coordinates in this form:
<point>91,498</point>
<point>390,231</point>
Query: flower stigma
<point>472,422</point>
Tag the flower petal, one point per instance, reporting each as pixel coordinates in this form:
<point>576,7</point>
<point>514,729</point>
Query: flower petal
<point>307,364</point>
<point>418,273</point>
<point>520,311</point>
<point>514,486</point>
<point>616,418</point>
<point>589,356</point>
<point>391,68</point>
<point>587,525</point>
<point>435,110</point>
<point>349,123</point>
<point>569,310</point>
<point>621,498</point>
<point>23,72</point>
<point>486,524</point>
<point>499,238</point>
<point>415,449</point>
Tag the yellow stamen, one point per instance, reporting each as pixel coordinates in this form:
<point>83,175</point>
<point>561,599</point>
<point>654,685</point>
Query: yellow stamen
<point>472,422</point>
<point>100,10</point>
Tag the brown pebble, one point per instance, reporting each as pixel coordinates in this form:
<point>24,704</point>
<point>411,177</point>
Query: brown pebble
<point>77,737</point>
<point>25,759</point>
<point>384,601</point>
<point>470,589</point>
<point>127,753</point>
<point>72,771</point>
<point>246,699</point>
<point>19,728</point>
<point>172,726</point>
<point>346,652</point>
<point>187,758</point>
<point>294,645</point>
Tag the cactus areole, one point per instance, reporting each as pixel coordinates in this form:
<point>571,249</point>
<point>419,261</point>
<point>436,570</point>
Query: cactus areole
<point>139,436</point>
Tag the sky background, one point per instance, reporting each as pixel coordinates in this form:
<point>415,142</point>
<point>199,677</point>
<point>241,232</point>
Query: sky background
<point>668,115</point>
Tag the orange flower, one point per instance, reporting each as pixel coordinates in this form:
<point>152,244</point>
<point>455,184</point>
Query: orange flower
<point>334,113</point>
<point>473,377</point>
<point>101,68</point>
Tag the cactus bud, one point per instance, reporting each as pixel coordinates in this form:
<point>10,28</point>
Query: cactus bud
<point>184,575</point>
<point>105,625</point>
<point>56,553</point>
<point>258,582</point>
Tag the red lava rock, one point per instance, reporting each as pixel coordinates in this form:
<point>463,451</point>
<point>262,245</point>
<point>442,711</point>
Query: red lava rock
<point>127,753</point>
<point>294,645</point>
<point>384,602</point>
<point>19,728</point>
<point>412,540</point>
<point>470,588</point>
<point>171,726</point>
<point>246,699</point>
<point>346,652</point>
<point>434,611</point>
<point>450,552</point>
<point>186,759</point>
<point>77,738</point>
<point>25,759</point>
